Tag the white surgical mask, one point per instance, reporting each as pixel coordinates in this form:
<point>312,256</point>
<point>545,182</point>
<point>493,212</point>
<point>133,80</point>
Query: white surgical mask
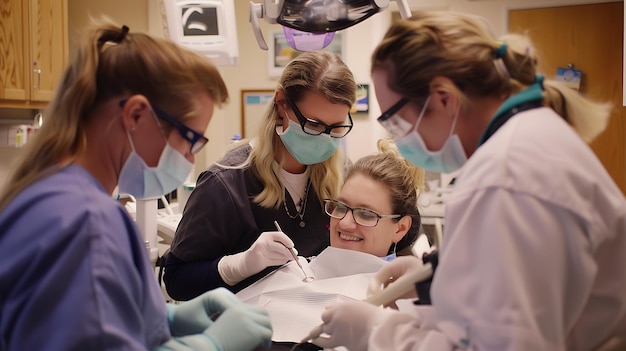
<point>142,181</point>
<point>448,159</point>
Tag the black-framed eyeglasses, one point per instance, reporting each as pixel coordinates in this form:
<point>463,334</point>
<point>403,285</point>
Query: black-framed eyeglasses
<point>393,123</point>
<point>312,127</point>
<point>197,140</point>
<point>362,216</point>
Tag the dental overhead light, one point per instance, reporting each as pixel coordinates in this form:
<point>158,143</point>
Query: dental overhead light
<point>311,24</point>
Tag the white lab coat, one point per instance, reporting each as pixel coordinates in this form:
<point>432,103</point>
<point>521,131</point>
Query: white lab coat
<point>534,249</point>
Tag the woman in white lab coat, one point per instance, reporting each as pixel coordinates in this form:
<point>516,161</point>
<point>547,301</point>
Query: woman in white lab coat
<point>534,244</point>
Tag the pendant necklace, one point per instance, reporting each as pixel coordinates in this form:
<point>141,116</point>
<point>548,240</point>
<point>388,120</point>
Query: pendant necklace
<point>302,203</point>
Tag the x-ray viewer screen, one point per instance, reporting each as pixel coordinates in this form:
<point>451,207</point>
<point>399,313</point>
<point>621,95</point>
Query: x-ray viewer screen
<point>198,20</point>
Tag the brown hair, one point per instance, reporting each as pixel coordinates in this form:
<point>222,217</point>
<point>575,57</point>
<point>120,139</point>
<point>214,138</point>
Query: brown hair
<point>402,179</point>
<point>110,62</point>
<point>462,48</point>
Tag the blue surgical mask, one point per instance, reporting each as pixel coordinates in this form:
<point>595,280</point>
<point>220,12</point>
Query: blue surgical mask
<point>142,181</point>
<point>305,148</point>
<point>448,159</point>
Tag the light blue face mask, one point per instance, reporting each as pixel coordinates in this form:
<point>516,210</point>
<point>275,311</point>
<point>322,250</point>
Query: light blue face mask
<point>305,148</point>
<point>448,159</point>
<point>142,181</point>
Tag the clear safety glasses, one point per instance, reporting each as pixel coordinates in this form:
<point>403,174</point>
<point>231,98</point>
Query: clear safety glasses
<point>362,216</point>
<point>393,123</point>
<point>312,127</point>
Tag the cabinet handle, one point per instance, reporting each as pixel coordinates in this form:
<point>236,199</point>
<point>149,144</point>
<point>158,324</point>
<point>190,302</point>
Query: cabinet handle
<point>37,71</point>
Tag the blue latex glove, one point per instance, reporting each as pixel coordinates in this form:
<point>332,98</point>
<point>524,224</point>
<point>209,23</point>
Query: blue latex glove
<point>243,327</point>
<point>239,328</point>
<point>194,316</point>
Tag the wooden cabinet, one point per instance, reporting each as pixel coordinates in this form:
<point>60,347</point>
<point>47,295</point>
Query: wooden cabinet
<point>33,51</point>
<point>590,37</point>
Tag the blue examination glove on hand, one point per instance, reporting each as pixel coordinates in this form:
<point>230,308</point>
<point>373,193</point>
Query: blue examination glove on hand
<point>194,316</point>
<point>243,327</point>
<point>239,327</point>
<point>270,249</point>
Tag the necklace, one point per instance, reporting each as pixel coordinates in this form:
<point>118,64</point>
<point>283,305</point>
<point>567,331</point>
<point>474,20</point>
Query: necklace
<point>302,205</point>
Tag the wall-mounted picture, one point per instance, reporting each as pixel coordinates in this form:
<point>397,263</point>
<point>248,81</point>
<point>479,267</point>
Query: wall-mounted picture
<point>280,53</point>
<point>362,103</point>
<point>254,103</point>
<point>571,77</point>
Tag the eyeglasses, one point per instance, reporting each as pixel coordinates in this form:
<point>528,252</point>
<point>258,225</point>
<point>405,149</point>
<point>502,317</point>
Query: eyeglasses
<point>197,140</point>
<point>394,124</point>
<point>362,216</point>
<point>312,127</point>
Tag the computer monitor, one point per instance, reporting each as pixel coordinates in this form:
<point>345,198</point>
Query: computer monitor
<point>205,26</point>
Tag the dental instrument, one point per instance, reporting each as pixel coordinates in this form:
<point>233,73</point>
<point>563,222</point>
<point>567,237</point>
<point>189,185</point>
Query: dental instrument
<point>307,278</point>
<point>392,292</point>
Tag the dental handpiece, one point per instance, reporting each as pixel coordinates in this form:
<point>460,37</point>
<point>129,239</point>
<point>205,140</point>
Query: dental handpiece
<point>391,293</point>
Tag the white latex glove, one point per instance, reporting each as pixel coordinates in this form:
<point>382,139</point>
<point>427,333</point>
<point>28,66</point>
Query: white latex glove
<point>393,270</point>
<point>270,249</point>
<point>349,324</point>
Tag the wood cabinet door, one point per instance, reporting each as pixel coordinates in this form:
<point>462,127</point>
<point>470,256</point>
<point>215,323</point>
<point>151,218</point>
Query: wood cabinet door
<point>590,38</point>
<point>14,78</point>
<point>48,49</point>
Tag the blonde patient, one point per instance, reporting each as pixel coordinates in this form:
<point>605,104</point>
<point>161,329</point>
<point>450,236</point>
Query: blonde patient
<point>381,194</point>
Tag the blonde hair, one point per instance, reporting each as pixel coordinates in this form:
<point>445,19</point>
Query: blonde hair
<point>111,62</point>
<point>402,179</point>
<point>462,48</point>
<point>313,71</point>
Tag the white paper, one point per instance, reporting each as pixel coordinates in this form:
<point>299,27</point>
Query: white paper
<point>295,307</point>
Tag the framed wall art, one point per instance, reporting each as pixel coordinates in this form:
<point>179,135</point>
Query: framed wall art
<point>362,104</point>
<point>253,105</point>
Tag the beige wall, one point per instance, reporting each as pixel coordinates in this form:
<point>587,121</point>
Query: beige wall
<point>252,70</point>
<point>132,13</point>
<point>251,73</point>
<point>360,40</point>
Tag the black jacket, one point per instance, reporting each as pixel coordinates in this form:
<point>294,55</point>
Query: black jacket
<point>221,218</point>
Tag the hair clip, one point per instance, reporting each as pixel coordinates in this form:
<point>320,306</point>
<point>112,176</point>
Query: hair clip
<point>122,35</point>
<point>501,49</point>
<point>108,36</point>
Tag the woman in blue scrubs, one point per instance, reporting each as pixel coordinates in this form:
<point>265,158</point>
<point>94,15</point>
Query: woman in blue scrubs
<point>131,111</point>
<point>534,243</point>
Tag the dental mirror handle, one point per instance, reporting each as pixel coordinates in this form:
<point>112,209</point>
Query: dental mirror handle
<point>293,254</point>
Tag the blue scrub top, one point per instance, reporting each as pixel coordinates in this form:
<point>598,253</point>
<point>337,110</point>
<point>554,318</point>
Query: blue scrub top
<point>75,274</point>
